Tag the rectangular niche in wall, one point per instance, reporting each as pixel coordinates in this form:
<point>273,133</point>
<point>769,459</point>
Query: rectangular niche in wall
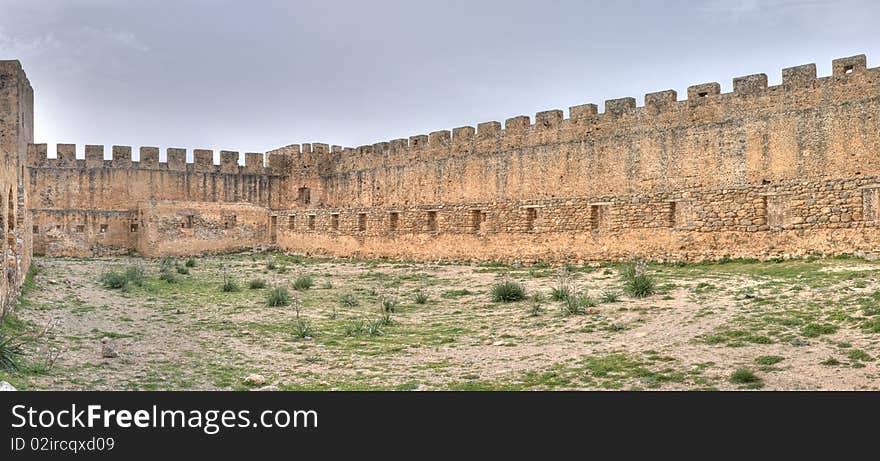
<point>599,215</point>
<point>303,196</point>
<point>871,203</point>
<point>531,218</point>
<point>393,221</point>
<point>187,222</point>
<point>362,222</point>
<point>431,222</point>
<point>291,222</point>
<point>311,222</point>
<point>477,218</point>
<point>334,221</point>
<point>80,228</point>
<point>775,209</point>
<point>679,214</point>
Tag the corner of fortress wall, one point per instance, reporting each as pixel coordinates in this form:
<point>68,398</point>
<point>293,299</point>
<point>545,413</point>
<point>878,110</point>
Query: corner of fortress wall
<point>16,133</point>
<point>760,171</point>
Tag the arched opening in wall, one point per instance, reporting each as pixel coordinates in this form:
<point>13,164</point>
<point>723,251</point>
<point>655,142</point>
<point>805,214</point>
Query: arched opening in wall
<point>10,218</point>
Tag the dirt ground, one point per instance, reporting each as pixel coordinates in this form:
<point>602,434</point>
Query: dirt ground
<point>788,325</point>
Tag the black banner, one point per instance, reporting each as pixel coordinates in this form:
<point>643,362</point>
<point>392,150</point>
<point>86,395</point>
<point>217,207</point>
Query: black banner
<point>230,425</point>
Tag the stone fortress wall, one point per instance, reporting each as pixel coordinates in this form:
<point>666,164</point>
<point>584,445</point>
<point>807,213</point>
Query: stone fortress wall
<point>763,171</point>
<point>16,132</point>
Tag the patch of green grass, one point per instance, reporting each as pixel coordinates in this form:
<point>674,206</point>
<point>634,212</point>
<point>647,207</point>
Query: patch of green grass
<point>747,378</point>
<point>768,360</point>
<point>859,355</point>
<point>609,296</point>
<point>814,330</point>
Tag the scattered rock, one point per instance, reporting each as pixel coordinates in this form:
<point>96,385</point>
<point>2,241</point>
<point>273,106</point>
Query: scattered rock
<point>255,380</point>
<point>245,332</point>
<point>488,342</point>
<point>498,343</point>
<point>107,350</point>
<point>5,387</point>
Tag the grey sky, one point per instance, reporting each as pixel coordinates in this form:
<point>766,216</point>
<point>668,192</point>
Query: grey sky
<point>255,75</point>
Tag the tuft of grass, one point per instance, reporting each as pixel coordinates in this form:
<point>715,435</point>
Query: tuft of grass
<point>577,304</point>
<point>328,285</point>
<point>257,284</point>
<point>303,283</point>
<point>421,298</point>
<point>349,300</point>
<point>229,286</point>
<point>303,327</point>
<point>858,355</point>
<point>508,291</point>
<point>191,262</point>
<point>746,377</point>
<point>637,282</point>
<point>564,286</point>
<point>182,270</point>
<point>166,271</point>
<point>271,265</point>
<point>609,296</point>
<point>10,353</point>
<point>277,297</point>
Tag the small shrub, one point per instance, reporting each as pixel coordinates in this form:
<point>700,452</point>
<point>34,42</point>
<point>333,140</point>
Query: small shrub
<point>257,284</point>
<point>508,291</point>
<point>191,262</point>
<point>167,276</point>
<point>114,280</point>
<point>229,286</point>
<point>278,297</point>
<point>349,300</point>
<point>303,283</point>
<point>421,297</point>
<point>9,353</point>
<point>135,275</point>
<point>182,270</point>
<point>271,265</point>
<point>637,282</point>
<point>747,377</point>
<point>328,285</point>
<point>610,296</point>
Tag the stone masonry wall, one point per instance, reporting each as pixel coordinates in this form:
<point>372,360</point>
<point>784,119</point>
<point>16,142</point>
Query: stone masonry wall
<point>16,132</point>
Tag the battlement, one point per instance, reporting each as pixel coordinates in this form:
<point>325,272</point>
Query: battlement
<point>148,159</point>
<point>851,79</point>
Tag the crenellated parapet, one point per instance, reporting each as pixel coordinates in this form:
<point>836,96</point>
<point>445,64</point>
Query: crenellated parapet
<point>705,104</point>
<point>148,159</point>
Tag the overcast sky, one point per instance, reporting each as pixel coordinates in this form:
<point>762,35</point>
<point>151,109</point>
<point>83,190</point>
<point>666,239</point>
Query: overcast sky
<point>256,75</point>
